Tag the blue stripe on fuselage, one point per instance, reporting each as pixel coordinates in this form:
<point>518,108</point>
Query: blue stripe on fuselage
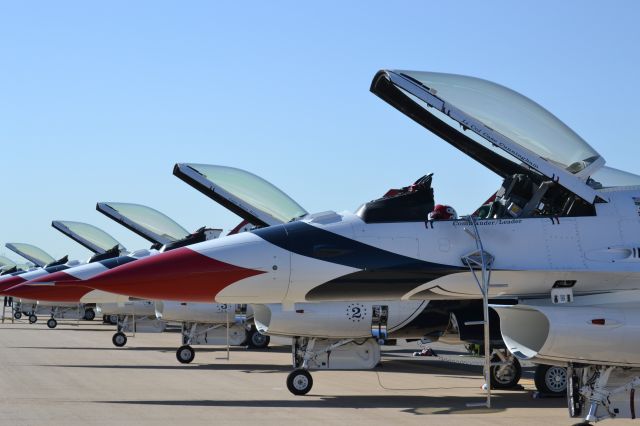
<point>308,240</point>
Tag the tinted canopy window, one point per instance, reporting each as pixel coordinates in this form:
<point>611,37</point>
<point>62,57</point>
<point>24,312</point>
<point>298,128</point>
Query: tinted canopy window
<point>89,235</point>
<point>31,252</point>
<point>512,115</point>
<point>6,263</point>
<point>608,177</point>
<point>162,228</point>
<point>252,190</point>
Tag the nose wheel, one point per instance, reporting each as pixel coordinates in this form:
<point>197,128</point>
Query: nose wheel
<point>51,323</point>
<point>89,314</point>
<point>17,315</point>
<point>119,339</point>
<point>33,319</point>
<point>507,375</point>
<point>185,354</point>
<point>299,382</point>
<point>257,340</point>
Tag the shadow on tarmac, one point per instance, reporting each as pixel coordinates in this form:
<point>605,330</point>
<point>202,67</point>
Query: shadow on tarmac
<point>418,405</point>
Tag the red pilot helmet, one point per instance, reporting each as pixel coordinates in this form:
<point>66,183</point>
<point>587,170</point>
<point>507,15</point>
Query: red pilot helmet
<point>443,212</point>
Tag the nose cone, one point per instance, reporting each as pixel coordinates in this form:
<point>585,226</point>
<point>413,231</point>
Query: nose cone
<point>47,292</point>
<point>10,282</point>
<point>182,274</point>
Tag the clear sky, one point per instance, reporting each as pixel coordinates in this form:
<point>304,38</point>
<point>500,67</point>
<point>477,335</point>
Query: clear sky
<point>98,100</point>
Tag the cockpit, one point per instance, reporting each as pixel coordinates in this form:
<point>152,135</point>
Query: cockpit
<point>410,203</point>
<point>547,169</point>
<point>103,245</point>
<point>31,253</point>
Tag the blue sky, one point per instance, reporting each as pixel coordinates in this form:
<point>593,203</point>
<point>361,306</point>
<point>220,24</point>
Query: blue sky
<point>98,100</point>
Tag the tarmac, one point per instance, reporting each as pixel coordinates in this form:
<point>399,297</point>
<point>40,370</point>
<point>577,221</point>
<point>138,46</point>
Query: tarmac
<point>73,375</point>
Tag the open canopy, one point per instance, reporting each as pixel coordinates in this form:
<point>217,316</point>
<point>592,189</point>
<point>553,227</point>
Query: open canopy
<point>247,195</point>
<point>6,263</point>
<point>500,128</point>
<point>89,236</point>
<point>144,221</point>
<point>31,253</point>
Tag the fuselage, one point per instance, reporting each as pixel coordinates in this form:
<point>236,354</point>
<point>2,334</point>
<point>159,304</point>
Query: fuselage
<point>331,257</point>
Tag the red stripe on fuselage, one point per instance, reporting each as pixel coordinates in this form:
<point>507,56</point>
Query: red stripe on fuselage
<point>48,293</point>
<point>181,274</point>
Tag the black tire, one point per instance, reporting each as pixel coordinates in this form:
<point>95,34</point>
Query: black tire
<point>257,340</point>
<point>113,319</point>
<point>33,319</point>
<point>52,323</point>
<point>89,314</point>
<point>185,354</point>
<point>17,315</point>
<point>550,380</point>
<point>505,376</point>
<point>299,382</point>
<point>119,339</point>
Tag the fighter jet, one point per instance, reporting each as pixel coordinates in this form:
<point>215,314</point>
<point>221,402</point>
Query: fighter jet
<point>202,323</point>
<point>562,226</point>
<point>46,264</point>
<point>70,302</point>
<point>342,330</point>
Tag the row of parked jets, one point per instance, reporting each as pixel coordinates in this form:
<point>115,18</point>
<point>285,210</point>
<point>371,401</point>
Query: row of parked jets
<point>546,270</point>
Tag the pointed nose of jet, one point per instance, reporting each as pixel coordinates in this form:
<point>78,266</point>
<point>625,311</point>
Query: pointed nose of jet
<point>10,282</point>
<point>47,292</point>
<point>183,274</point>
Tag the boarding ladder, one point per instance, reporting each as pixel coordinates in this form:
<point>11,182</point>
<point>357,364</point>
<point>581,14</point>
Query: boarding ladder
<point>481,261</point>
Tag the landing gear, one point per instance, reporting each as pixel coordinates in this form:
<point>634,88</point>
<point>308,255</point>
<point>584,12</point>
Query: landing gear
<point>51,322</point>
<point>33,319</point>
<point>551,380</point>
<point>299,382</point>
<point>113,319</point>
<point>185,354</point>
<point>329,354</point>
<point>507,375</point>
<point>257,340</point>
<point>119,339</point>
<point>575,400</point>
<point>17,315</point>
<point>89,314</point>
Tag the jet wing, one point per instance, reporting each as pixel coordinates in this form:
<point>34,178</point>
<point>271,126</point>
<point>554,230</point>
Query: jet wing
<point>144,221</point>
<point>89,236</point>
<point>501,129</point>
<point>31,253</point>
<point>245,194</point>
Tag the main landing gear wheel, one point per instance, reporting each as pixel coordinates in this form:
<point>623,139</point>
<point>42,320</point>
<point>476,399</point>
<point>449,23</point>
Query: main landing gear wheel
<point>17,315</point>
<point>257,340</point>
<point>299,382</point>
<point>119,339</point>
<point>51,323</point>
<point>113,319</point>
<point>505,376</point>
<point>33,319</point>
<point>89,314</point>
<point>185,354</point>
<point>550,379</point>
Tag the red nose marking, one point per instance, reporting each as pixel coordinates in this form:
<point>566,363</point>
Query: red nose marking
<point>181,275</point>
<point>48,293</point>
<point>10,282</point>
